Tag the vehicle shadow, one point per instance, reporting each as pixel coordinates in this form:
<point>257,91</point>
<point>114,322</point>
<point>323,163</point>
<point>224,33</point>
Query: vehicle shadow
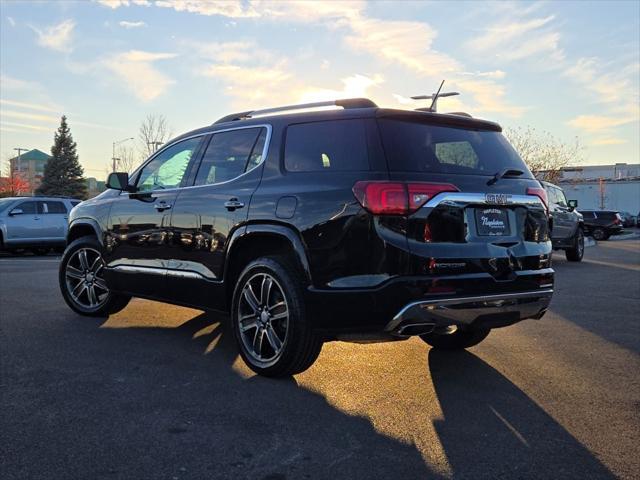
<point>214,419</point>
<point>492,429</point>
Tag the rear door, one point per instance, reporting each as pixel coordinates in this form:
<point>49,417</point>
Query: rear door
<point>53,220</point>
<point>207,213</point>
<point>563,223</point>
<point>476,205</point>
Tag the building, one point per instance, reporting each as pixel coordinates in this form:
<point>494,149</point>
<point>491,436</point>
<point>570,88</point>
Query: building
<point>94,186</point>
<point>603,187</point>
<point>30,166</point>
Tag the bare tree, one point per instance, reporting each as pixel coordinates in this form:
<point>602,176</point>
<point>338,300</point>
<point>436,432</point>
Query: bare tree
<point>128,158</point>
<point>154,131</point>
<point>544,154</point>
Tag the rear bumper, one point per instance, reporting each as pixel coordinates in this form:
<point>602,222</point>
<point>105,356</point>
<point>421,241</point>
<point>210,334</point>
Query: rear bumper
<point>339,311</point>
<point>488,311</point>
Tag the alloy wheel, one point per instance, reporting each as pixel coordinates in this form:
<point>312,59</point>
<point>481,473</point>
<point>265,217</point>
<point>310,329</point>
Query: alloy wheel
<point>84,279</point>
<point>263,318</point>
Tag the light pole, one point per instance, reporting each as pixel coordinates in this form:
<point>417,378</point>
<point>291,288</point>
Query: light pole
<point>113,157</point>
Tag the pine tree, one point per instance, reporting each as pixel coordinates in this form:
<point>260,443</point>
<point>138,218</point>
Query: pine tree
<point>63,174</point>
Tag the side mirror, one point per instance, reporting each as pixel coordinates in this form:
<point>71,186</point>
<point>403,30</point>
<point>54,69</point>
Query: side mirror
<point>573,204</point>
<point>16,211</point>
<point>118,181</point>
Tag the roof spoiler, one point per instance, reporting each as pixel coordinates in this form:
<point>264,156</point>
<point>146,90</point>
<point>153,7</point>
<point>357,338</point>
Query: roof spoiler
<point>347,103</point>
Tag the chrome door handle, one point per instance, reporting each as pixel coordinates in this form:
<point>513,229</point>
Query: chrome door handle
<point>161,207</point>
<point>232,204</point>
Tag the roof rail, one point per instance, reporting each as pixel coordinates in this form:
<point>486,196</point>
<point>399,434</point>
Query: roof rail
<point>345,103</point>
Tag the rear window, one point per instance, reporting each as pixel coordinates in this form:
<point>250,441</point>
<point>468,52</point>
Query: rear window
<point>338,145</point>
<point>419,147</point>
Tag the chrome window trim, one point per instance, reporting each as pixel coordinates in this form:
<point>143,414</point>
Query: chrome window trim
<point>265,151</point>
<point>465,198</point>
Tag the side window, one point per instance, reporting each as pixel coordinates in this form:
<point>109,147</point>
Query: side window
<point>52,207</point>
<point>28,208</point>
<point>230,154</point>
<point>75,203</point>
<point>560,198</point>
<point>168,168</point>
<point>324,146</point>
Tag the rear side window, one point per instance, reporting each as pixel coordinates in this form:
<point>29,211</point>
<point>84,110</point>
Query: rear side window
<point>419,147</point>
<point>230,154</point>
<point>52,207</point>
<point>338,145</point>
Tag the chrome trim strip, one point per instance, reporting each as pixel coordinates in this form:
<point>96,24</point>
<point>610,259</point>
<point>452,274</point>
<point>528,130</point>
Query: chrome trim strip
<point>465,198</point>
<point>132,269</point>
<point>158,271</point>
<point>265,151</point>
<point>442,302</point>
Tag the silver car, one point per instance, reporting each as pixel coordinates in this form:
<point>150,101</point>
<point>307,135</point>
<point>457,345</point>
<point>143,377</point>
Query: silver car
<point>34,223</point>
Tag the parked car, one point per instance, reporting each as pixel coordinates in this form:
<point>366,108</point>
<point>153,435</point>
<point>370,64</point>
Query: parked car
<point>628,220</point>
<point>34,223</point>
<point>567,224</point>
<point>360,223</point>
<point>601,224</point>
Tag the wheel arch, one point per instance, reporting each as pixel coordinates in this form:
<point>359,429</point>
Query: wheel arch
<point>260,240</point>
<point>83,227</point>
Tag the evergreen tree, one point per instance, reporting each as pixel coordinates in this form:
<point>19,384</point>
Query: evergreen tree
<point>63,172</point>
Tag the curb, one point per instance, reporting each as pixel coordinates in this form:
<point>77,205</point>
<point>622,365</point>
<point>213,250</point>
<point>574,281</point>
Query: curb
<point>626,236</point>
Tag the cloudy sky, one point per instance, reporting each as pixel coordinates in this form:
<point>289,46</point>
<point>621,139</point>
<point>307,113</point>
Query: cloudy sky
<point>571,68</point>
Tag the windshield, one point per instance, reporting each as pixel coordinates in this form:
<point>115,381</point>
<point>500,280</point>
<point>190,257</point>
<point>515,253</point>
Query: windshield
<point>5,202</point>
<point>418,147</point>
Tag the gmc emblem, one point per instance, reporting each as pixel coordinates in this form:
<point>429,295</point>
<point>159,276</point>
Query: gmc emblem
<point>497,198</point>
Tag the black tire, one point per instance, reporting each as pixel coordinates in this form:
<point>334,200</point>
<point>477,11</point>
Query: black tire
<point>599,234</point>
<point>575,253</point>
<point>456,340</point>
<point>301,345</point>
<point>109,302</point>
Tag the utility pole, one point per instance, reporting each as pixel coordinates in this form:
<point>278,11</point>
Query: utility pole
<point>602,195</point>
<point>20,150</point>
<point>113,153</point>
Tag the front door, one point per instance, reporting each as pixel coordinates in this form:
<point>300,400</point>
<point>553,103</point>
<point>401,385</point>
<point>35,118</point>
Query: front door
<point>23,223</point>
<point>207,214</point>
<point>137,246</point>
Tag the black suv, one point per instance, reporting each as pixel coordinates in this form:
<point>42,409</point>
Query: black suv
<point>360,223</point>
<point>567,224</point>
<point>601,224</point>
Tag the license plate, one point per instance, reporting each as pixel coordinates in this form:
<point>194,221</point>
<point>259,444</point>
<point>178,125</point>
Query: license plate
<point>492,222</point>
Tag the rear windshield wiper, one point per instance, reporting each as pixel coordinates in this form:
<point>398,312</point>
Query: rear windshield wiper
<point>507,172</point>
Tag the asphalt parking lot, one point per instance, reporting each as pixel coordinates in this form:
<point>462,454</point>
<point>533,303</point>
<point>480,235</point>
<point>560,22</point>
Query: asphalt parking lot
<point>159,392</point>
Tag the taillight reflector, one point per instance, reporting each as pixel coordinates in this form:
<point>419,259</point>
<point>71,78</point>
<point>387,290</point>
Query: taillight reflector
<point>397,198</point>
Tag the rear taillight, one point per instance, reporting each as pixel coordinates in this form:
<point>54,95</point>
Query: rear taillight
<point>397,198</point>
<point>540,193</point>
